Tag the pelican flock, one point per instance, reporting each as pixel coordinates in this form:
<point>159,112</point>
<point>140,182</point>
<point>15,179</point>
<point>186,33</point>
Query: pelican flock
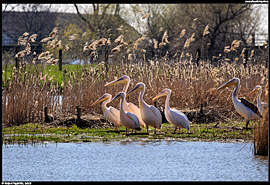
<point>245,108</point>
<point>133,117</point>
<point>130,107</point>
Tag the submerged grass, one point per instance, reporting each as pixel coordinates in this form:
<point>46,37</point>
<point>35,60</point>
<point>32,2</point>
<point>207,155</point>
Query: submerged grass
<point>34,133</point>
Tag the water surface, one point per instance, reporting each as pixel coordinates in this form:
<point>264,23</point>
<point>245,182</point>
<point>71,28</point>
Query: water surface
<point>133,161</point>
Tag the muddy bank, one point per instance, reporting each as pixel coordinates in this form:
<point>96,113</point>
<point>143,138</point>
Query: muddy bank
<point>96,120</point>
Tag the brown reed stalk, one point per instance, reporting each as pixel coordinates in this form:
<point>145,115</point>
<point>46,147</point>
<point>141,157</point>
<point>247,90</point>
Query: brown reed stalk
<point>261,135</point>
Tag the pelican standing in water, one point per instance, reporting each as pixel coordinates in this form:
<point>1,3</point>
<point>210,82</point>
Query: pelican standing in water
<point>175,117</point>
<point>261,105</point>
<point>243,107</point>
<point>150,114</point>
<point>110,113</point>
<point>128,119</point>
<point>129,107</point>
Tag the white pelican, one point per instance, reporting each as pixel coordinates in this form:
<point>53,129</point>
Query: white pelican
<point>128,119</point>
<point>261,105</point>
<point>243,107</point>
<point>110,113</point>
<point>175,117</point>
<point>129,107</point>
<point>150,114</point>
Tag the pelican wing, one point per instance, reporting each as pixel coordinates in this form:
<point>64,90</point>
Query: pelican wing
<point>114,112</point>
<point>134,118</point>
<point>180,118</point>
<point>134,108</point>
<point>156,113</point>
<point>113,115</point>
<point>250,105</point>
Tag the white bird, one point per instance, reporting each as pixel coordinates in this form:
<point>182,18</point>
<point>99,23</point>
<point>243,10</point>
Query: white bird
<point>261,105</point>
<point>243,107</point>
<point>110,113</point>
<point>128,119</point>
<point>175,117</point>
<point>150,114</point>
<point>129,107</point>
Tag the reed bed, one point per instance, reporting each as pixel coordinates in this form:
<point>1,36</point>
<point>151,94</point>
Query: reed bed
<point>29,90</point>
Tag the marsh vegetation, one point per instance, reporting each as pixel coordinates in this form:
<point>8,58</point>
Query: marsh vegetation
<point>37,83</point>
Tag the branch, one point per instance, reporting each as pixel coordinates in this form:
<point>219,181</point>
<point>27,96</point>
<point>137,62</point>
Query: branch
<point>80,15</point>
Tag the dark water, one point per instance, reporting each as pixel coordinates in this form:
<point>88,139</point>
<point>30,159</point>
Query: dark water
<point>133,161</point>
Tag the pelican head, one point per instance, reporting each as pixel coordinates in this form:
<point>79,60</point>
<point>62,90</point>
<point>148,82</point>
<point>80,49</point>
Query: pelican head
<point>233,81</point>
<point>120,94</point>
<point>165,92</point>
<point>139,86</point>
<point>123,79</point>
<point>102,98</point>
<point>256,89</point>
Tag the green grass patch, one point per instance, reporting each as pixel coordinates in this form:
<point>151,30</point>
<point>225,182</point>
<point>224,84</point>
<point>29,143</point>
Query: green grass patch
<point>34,132</point>
<point>58,77</point>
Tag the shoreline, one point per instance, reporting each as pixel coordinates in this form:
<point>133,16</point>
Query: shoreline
<point>132,140</point>
<point>41,133</point>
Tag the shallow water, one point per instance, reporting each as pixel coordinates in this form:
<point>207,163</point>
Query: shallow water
<point>133,161</point>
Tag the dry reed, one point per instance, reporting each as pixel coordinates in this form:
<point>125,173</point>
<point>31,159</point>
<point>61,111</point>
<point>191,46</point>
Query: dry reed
<point>30,89</point>
<point>261,135</point>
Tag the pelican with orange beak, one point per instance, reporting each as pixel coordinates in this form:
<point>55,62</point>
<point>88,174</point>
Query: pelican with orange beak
<point>150,114</point>
<point>110,113</point>
<point>175,117</point>
<point>243,107</point>
<point>128,119</point>
<point>261,105</point>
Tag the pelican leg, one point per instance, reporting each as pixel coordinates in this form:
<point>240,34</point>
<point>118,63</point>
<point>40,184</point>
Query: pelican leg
<point>175,129</point>
<point>155,131</point>
<point>147,129</point>
<point>179,129</point>
<point>126,131</point>
<point>247,122</point>
<point>116,129</point>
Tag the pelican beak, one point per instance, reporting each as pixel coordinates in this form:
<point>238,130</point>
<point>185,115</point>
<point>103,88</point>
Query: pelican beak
<point>118,81</point>
<point>253,92</point>
<point>159,95</point>
<point>99,100</point>
<point>118,95</point>
<point>227,84</point>
<point>137,87</point>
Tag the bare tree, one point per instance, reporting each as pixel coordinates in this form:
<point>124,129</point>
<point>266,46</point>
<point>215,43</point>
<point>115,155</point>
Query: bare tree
<point>226,22</point>
<point>32,18</point>
<point>100,19</point>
